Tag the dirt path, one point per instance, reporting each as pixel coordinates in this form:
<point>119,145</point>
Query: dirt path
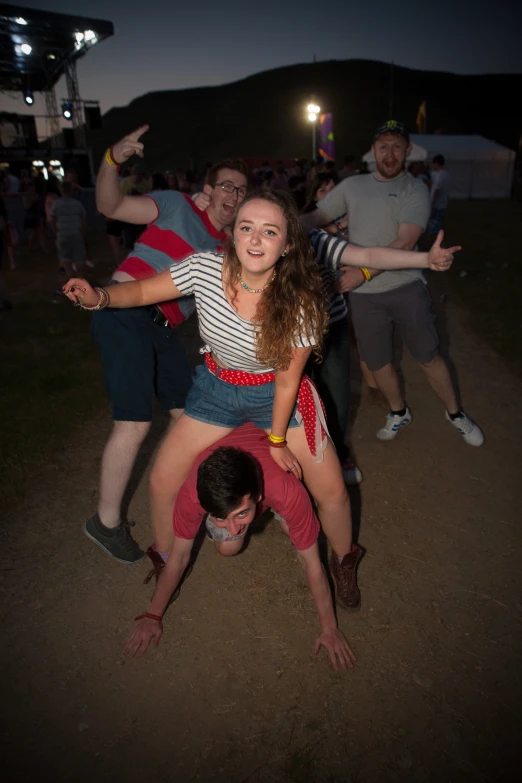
<point>233,692</point>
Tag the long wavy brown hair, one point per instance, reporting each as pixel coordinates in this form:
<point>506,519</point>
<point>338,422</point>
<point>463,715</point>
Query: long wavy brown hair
<point>294,304</point>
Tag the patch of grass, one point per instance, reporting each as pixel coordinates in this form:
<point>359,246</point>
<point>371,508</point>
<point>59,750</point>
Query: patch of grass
<point>52,385</point>
<point>491,235</point>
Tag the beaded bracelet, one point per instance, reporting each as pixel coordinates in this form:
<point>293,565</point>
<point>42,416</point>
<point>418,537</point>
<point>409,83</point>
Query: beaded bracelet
<point>366,273</point>
<point>104,300</point>
<point>277,445</point>
<point>109,157</point>
<point>150,616</point>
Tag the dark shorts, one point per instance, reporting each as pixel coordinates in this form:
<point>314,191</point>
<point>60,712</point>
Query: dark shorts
<point>409,307</point>
<point>140,358</point>
<point>114,228</point>
<point>71,248</point>
<point>223,404</point>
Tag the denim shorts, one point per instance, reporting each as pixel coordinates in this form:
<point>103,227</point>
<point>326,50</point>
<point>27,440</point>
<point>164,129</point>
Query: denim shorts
<point>223,404</point>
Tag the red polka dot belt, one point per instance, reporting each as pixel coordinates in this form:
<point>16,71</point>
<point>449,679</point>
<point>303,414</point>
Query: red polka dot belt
<point>310,408</point>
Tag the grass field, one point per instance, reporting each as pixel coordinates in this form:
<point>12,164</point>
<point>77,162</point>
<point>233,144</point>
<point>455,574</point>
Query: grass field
<point>52,379</point>
<point>491,235</point>
<point>51,374</point>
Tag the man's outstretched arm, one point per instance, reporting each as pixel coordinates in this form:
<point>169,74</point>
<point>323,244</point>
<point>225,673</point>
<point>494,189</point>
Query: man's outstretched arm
<point>110,201</point>
<point>148,629</point>
<point>330,637</point>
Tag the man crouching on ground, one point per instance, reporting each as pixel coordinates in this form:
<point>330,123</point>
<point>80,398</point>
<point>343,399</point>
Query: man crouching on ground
<point>229,486</point>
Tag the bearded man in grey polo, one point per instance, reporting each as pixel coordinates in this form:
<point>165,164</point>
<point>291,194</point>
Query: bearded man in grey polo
<point>390,208</point>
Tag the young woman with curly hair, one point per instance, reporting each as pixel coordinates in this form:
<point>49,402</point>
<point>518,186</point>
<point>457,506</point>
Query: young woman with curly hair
<point>262,312</point>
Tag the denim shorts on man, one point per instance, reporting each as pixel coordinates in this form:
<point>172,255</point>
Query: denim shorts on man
<point>223,404</point>
<point>140,358</point>
<point>409,307</point>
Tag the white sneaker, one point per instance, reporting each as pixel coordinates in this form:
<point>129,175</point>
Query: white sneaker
<point>393,425</point>
<point>470,431</point>
<point>351,473</point>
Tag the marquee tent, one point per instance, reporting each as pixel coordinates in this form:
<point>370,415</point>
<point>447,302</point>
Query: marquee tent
<point>479,168</point>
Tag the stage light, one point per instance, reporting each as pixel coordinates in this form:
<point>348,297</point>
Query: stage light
<point>312,116</point>
<point>79,37</point>
<point>90,35</point>
<point>28,97</point>
<point>26,49</point>
<point>38,163</point>
<point>20,20</point>
<point>67,110</point>
<point>51,56</point>
<point>55,163</point>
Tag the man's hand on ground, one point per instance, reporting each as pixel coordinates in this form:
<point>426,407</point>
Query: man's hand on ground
<point>338,648</point>
<point>144,632</point>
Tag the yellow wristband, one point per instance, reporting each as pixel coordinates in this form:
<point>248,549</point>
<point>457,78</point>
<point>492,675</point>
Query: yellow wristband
<point>276,438</point>
<point>366,273</point>
<point>110,160</point>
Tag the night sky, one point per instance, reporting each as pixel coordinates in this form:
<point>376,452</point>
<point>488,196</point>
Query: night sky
<point>158,46</point>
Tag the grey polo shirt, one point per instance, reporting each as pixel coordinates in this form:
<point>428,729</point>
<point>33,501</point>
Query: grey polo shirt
<point>376,207</point>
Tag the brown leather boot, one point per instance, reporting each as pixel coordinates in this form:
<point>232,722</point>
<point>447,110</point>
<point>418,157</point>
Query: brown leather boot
<point>345,576</point>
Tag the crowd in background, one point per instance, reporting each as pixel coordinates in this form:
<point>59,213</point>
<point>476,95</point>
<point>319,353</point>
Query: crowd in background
<point>307,182</point>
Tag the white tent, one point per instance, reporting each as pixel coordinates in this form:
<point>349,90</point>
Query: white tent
<point>479,168</point>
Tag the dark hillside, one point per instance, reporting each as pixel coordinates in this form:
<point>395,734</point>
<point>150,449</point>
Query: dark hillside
<point>264,115</point>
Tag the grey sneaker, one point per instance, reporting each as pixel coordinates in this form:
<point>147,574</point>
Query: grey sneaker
<point>120,546</point>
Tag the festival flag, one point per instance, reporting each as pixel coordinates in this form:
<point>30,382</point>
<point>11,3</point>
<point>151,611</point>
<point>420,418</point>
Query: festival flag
<point>421,118</point>
<point>326,137</point>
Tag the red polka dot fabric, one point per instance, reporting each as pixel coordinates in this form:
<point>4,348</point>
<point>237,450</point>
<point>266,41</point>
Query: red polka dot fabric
<point>310,407</point>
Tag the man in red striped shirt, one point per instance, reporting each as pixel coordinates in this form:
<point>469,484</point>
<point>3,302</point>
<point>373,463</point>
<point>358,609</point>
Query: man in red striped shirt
<point>141,352</point>
<point>233,482</point>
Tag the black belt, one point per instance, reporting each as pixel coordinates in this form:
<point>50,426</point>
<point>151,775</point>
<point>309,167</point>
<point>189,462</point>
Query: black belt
<point>157,315</point>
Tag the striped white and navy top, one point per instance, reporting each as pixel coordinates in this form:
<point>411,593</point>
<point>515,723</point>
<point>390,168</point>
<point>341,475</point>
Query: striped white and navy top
<point>228,336</point>
<point>328,250</point>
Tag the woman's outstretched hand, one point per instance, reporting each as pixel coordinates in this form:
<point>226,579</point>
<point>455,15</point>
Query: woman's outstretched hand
<point>440,258</point>
<point>287,461</point>
<point>80,291</point>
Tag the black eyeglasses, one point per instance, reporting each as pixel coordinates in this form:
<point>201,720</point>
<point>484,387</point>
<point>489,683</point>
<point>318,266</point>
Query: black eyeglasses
<point>228,187</point>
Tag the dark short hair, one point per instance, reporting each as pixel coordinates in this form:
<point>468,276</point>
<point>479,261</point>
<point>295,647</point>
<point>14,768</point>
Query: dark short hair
<point>440,159</point>
<point>225,478</point>
<point>235,164</point>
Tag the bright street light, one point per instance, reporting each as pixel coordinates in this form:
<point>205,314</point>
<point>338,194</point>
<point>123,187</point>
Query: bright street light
<point>313,111</point>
